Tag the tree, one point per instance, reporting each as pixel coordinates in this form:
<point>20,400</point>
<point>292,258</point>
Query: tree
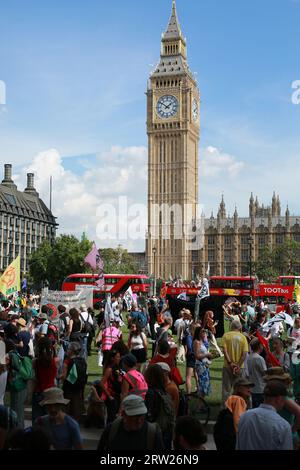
<point>55,263</point>
<point>284,259</point>
<point>264,266</point>
<point>118,261</point>
<point>287,258</point>
<point>38,263</point>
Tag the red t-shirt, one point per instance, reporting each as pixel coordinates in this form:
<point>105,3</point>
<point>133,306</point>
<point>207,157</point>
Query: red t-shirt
<point>168,360</point>
<point>45,376</point>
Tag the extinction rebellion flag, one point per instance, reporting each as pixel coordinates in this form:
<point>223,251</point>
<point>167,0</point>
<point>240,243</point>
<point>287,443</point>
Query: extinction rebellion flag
<point>10,279</point>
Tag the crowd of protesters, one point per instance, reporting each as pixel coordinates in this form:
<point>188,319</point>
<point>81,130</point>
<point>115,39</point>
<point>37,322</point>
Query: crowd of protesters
<point>135,401</point>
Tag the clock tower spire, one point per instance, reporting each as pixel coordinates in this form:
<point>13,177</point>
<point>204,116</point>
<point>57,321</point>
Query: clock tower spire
<point>173,127</point>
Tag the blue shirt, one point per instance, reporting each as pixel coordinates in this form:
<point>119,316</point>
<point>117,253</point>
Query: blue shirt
<point>263,429</point>
<point>64,436</point>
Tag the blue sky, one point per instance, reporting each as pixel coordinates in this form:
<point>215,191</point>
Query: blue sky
<point>76,74</point>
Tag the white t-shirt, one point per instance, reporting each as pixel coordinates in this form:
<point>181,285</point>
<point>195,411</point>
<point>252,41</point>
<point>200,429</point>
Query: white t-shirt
<point>294,333</point>
<point>137,341</point>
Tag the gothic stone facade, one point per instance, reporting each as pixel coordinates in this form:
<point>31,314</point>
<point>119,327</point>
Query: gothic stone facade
<point>231,241</point>
<point>25,221</point>
<point>173,125</point>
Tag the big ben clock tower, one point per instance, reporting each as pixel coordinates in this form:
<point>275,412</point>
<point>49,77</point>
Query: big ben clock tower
<point>173,126</point>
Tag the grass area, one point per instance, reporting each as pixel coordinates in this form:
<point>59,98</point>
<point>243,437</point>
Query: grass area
<point>213,399</point>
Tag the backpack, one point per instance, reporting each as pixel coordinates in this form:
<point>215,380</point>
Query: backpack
<point>52,332</point>
<point>86,327</point>
<point>21,371</point>
<point>183,408</point>
<point>224,431</point>
<point>166,415</point>
<point>142,320</point>
<point>77,374</point>
<point>151,433</point>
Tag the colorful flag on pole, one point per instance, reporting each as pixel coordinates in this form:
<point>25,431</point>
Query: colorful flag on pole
<point>94,259</point>
<point>204,290</point>
<point>280,317</point>
<point>208,270</point>
<point>297,293</point>
<point>128,297</point>
<point>270,357</point>
<point>108,312</point>
<point>10,279</point>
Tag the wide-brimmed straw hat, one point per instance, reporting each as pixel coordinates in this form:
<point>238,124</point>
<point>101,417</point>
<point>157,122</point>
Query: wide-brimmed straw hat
<point>54,396</point>
<point>276,373</point>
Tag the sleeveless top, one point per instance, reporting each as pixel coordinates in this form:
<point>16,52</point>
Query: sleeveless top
<point>45,376</point>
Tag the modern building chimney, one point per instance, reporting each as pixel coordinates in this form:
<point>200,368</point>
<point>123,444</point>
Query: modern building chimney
<point>30,183</point>
<point>7,181</point>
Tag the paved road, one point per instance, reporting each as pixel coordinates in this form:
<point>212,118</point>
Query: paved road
<point>91,438</point>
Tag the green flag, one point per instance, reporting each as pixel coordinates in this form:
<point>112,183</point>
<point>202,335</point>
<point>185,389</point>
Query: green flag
<point>72,377</point>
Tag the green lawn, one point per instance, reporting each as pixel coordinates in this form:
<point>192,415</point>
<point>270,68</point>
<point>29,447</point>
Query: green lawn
<point>213,399</point>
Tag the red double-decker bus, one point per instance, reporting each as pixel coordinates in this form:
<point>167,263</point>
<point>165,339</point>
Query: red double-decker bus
<point>225,286</point>
<point>113,284</point>
<point>278,294</point>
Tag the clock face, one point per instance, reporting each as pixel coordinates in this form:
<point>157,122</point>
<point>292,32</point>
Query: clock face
<point>195,110</point>
<point>167,106</point>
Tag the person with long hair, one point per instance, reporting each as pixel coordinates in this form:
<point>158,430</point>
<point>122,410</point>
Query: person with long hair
<point>190,356</point>
<point>45,368</point>
<point>111,384</point>
<point>75,326</point>
<point>159,403</point>
<point>210,325</point>
<point>137,344</point>
<point>202,356</point>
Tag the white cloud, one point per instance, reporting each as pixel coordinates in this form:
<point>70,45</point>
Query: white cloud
<point>215,163</point>
<point>76,197</point>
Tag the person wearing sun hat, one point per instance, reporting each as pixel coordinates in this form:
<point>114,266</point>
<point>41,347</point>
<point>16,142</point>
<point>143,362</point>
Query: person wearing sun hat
<point>131,431</point>
<point>63,429</point>
<point>291,410</point>
<point>236,405</point>
<point>23,337</point>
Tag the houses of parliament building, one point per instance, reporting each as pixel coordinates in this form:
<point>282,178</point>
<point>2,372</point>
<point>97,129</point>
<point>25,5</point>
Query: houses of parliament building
<point>229,244</point>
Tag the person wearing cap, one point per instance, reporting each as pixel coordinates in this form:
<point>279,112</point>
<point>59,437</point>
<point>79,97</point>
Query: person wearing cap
<point>235,347</point>
<point>170,386</point>
<point>63,429</point>
<point>131,431</point>
<point>262,428</point>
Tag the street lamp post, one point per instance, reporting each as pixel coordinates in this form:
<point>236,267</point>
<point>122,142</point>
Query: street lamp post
<point>154,270</point>
<point>250,240</point>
